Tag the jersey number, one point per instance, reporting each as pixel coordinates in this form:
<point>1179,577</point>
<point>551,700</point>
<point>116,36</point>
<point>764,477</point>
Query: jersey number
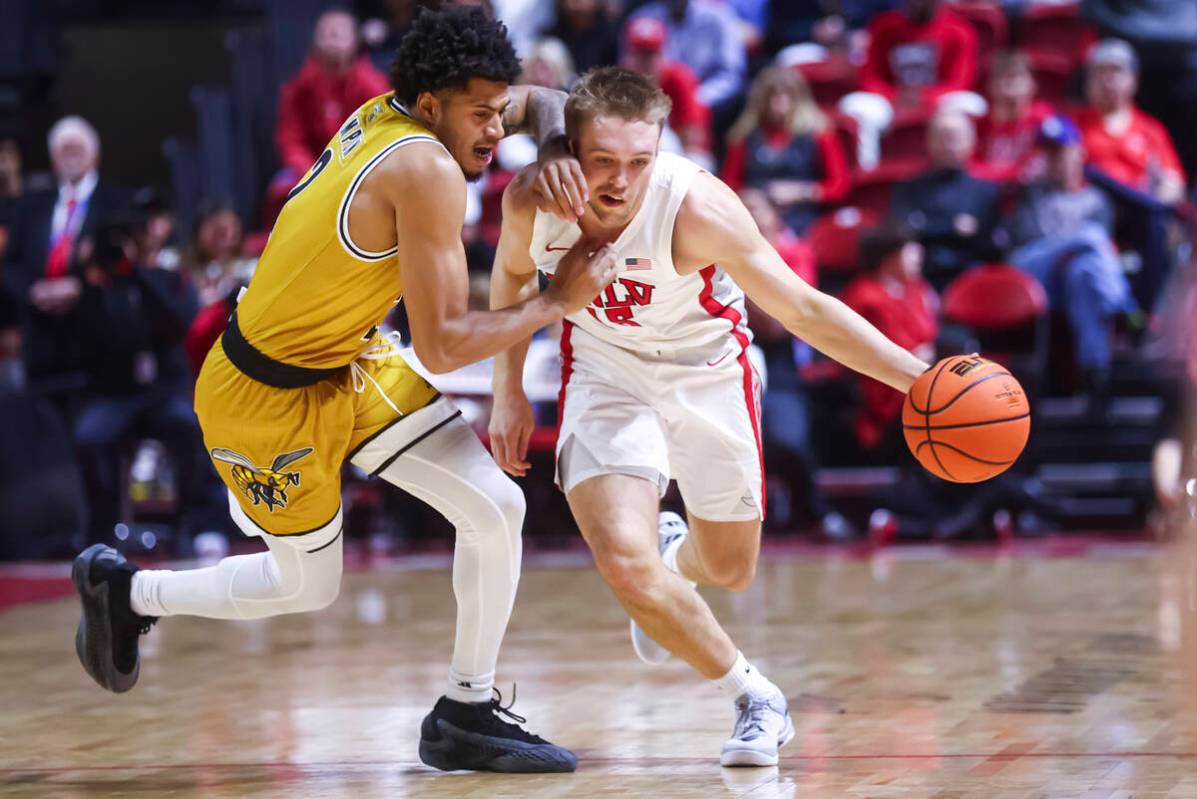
<point>316,169</point>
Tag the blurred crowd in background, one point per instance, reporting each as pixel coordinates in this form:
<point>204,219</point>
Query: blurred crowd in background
<point>1007,178</point>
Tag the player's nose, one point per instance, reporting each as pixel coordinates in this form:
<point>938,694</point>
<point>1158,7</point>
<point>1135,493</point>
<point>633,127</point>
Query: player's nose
<point>494,130</point>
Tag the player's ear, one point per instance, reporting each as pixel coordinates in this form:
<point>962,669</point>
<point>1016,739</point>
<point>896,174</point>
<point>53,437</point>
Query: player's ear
<point>429,106</point>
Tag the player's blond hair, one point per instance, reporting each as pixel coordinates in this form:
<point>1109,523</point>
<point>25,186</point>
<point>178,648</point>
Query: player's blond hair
<point>615,91</point>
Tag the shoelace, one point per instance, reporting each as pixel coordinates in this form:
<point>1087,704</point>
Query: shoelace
<point>497,710</point>
<point>383,349</point>
<point>752,717</point>
<point>496,705</point>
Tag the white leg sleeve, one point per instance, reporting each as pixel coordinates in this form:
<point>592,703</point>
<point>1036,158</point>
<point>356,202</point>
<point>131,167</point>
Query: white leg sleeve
<point>287,579</point>
<point>450,470</point>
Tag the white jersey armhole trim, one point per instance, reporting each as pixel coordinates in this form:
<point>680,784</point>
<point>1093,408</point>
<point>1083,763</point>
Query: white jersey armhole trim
<point>679,190</point>
<point>343,214</point>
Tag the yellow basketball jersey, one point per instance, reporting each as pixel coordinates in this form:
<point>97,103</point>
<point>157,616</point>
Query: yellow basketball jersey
<point>316,297</point>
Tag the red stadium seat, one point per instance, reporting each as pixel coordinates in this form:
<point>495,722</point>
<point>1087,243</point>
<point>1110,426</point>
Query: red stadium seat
<point>492,204</point>
<point>871,190</point>
<point>835,238</point>
<point>989,21</point>
<point>1056,29</point>
<point>994,297</point>
<point>906,139</point>
<point>847,131</point>
<point>1006,309</point>
<point>829,80</point>
<point>1053,72</point>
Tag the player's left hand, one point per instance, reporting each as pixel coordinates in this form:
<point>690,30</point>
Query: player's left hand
<point>560,186</point>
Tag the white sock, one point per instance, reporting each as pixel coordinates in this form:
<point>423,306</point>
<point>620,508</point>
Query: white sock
<point>470,687</point>
<point>743,678</point>
<point>669,557</point>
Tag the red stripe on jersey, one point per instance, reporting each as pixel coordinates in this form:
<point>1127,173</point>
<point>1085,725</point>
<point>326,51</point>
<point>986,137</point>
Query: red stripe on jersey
<point>567,368</point>
<point>706,298</point>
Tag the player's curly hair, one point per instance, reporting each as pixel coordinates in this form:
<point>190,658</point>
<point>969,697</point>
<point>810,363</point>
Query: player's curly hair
<point>445,48</point>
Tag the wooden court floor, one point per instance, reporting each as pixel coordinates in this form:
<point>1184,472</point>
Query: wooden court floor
<point>909,675</point>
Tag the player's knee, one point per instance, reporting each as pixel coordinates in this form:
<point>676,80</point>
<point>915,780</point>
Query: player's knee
<point>321,594</point>
<point>498,507</point>
<point>733,573</point>
<point>511,505</point>
<point>634,578</point>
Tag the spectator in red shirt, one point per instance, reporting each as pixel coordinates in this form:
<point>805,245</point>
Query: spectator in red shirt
<point>785,411</point>
<point>332,83</point>
<point>689,119</point>
<point>893,296</point>
<point>1007,149</point>
<point>919,58</point>
<point>1131,157</point>
<point>1126,144</point>
<point>919,54</point>
<point>783,145</point>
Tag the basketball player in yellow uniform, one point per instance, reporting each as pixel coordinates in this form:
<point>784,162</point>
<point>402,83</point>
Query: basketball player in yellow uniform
<point>302,380</point>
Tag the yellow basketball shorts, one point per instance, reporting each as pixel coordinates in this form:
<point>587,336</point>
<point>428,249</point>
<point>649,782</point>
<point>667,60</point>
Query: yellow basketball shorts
<point>280,450</point>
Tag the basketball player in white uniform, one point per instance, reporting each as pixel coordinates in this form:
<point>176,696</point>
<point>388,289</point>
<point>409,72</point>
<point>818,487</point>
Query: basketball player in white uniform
<point>656,383</point>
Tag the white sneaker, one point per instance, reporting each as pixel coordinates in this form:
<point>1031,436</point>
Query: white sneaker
<point>763,726</point>
<point>670,527</point>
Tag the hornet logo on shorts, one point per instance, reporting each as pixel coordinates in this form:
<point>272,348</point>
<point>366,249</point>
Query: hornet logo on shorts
<point>259,483</point>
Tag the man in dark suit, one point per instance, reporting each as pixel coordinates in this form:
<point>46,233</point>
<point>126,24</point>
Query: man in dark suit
<point>40,267</point>
<point>954,215</point>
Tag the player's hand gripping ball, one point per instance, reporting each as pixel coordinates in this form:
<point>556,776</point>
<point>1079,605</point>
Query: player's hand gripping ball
<point>966,419</point>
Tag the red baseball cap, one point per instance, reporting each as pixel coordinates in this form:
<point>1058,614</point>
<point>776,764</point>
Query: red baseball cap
<point>645,33</point>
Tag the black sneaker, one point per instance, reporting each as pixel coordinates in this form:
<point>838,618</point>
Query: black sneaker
<point>106,640</point>
<point>472,736</point>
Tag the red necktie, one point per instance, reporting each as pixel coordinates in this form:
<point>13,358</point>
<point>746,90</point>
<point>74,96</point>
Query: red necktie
<point>60,252</point>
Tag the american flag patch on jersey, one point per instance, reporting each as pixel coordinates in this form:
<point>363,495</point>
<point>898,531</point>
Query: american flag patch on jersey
<point>638,264</point>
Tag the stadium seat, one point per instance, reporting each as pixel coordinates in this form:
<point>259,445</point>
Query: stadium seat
<point>846,130</point>
<point>835,238</point>
<point>1006,309</point>
<point>906,139</point>
<point>829,80</point>
<point>989,21</point>
<point>871,189</point>
<point>1057,29</point>
<point>1053,73</point>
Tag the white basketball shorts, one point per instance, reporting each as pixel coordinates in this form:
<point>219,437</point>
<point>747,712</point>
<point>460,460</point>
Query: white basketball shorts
<point>691,414</point>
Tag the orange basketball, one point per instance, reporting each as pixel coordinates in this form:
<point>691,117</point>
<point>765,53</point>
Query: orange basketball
<point>966,419</point>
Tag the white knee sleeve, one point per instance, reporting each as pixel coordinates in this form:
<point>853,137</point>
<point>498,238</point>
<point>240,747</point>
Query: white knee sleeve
<point>448,468</point>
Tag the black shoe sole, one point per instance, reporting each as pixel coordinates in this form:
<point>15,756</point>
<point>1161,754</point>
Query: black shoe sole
<point>93,638</point>
<point>475,752</point>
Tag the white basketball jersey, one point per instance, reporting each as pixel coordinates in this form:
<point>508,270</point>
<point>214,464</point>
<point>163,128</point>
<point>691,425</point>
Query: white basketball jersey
<point>650,306</point>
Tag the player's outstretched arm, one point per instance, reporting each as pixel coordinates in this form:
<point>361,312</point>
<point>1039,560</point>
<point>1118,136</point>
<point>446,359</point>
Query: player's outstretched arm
<point>428,195</point>
<point>714,226</point>
<point>559,186</point>
<point>513,280</point>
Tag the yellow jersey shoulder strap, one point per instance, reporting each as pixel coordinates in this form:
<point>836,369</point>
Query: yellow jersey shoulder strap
<point>380,127</point>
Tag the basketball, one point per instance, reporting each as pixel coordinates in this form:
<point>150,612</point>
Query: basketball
<point>966,419</point>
